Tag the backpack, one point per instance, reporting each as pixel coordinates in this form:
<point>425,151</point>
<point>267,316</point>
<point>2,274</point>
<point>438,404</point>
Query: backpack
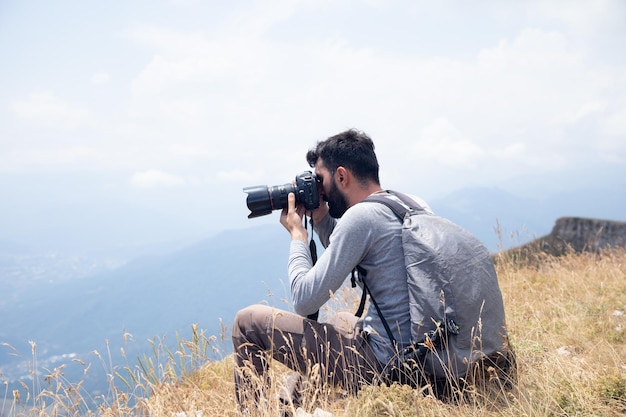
<point>455,303</point>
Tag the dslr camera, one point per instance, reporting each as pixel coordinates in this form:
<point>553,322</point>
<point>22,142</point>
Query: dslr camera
<point>263,200</point>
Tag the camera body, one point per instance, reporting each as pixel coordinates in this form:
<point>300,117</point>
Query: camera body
<point>263,200</point>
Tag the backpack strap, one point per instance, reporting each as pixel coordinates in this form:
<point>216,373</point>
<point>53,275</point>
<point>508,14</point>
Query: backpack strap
<point>400,210</point>
<point>359,313</point>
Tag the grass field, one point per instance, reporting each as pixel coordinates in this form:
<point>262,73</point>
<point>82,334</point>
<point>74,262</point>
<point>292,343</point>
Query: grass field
<point>566,318</point>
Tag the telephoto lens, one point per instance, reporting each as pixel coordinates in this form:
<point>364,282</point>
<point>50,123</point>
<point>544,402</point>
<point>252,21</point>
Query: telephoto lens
<point>263,200</point>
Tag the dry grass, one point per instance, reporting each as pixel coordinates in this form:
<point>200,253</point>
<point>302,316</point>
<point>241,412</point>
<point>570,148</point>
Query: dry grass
<point>566,318</point>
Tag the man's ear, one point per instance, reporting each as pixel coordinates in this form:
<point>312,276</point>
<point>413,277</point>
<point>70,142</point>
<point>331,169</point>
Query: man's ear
<point>342,176</point>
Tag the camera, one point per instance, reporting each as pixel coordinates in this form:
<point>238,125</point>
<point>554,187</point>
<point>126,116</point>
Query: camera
<point>263,200</point>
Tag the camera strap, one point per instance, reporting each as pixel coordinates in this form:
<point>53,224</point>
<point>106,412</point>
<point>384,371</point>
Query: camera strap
<point>313,250</point>
<point>312,246</point>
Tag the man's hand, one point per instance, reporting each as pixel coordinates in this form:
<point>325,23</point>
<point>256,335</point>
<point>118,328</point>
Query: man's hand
<point>291,218</point>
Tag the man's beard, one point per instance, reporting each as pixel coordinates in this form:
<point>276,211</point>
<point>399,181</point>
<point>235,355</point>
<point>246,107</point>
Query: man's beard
<point>337,203</point>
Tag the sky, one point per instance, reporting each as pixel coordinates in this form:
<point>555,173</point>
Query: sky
<point>179,104</point>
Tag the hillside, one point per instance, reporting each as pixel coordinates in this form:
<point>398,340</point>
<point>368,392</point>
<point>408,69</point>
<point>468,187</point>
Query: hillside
<point>567,320</point>
<point>157,299</point>
<point>566,316</point>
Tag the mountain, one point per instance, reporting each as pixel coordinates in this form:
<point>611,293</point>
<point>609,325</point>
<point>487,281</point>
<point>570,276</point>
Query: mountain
<point>158,294</point>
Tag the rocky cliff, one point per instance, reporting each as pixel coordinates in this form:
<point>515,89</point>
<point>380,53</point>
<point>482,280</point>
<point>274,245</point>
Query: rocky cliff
<point>570,234</point>
<point>582,234</point>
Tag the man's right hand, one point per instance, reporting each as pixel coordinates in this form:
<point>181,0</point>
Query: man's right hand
<point>291,219</point>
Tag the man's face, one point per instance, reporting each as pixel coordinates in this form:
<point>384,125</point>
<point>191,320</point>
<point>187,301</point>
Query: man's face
<point>337,202</point>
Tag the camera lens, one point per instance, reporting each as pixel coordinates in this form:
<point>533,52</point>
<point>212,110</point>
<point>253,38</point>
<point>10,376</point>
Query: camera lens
<point>279,193</point>
<point>263,200</point>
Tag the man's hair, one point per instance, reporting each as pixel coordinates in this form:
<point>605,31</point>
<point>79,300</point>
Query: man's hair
<point>352,149</point>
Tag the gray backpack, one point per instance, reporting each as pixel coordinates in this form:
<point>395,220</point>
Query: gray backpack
<point>455,303</point>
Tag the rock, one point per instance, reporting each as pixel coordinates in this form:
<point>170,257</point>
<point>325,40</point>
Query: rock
<point>590,235</point>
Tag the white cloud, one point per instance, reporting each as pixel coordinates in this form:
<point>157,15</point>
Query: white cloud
<point>34,158</point>
<point>532,79</point>
<point>513,151</point>
<point>100,78</point>
<point>584,16</point>
<point>615,125</point>
<point>47,109</point>
<point>256,84</point>
<point>506,109</point>
<point>442,143</point>
<point>162,74</point>
<point>593,108</point>
<point>611,144</point>
<point>237,176</point>
<point>155,178</point>
<point>167,40</point>
<point>185,151</point>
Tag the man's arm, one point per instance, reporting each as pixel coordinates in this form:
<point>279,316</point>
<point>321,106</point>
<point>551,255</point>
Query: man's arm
<point>310,284</point>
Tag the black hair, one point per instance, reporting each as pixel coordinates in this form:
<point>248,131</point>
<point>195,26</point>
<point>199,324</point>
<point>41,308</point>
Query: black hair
<point>352,149</point>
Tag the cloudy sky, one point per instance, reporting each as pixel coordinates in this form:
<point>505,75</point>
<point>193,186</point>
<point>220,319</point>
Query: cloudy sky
<point>166,96</point>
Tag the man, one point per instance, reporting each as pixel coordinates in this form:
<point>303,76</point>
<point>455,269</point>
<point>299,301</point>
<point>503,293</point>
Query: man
<point>346,352</point>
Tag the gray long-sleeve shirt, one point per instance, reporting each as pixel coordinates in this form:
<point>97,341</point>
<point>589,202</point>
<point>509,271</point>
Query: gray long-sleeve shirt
<point>368,235</point>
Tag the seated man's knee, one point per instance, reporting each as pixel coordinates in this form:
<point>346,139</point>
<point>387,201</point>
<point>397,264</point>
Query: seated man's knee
<point>249,318</point>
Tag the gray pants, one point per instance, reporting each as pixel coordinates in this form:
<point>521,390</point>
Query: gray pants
<point>335,353</point>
